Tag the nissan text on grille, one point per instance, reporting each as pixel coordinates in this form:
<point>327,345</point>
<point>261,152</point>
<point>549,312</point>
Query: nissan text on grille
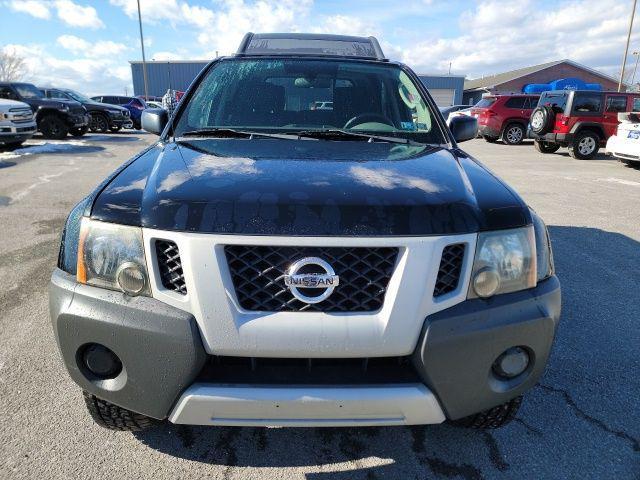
<point>306,244</point>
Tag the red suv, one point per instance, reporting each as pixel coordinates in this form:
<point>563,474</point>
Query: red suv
<point>504,116</point>
<point>579,119</point>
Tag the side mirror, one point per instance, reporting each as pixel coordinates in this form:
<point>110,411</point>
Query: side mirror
<point>463,128</point>
<point>154,120</point>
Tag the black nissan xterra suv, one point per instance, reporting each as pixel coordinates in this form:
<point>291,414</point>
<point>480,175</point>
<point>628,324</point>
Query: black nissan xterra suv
<point>55,118</point>
<point>270,263</point>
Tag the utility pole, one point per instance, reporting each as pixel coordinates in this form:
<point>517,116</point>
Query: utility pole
<point>144,62</point>
<point>626,50</point>
<point>633,77</point>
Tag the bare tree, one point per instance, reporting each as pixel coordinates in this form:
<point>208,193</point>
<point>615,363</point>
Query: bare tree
<point>12,66</point>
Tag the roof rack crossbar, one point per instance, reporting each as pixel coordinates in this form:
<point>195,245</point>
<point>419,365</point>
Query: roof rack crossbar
<point>303,44</point>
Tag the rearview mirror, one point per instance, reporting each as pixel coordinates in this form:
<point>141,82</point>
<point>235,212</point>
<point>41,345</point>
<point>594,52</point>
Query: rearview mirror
<point>154,120</point>
<point>463,128</point>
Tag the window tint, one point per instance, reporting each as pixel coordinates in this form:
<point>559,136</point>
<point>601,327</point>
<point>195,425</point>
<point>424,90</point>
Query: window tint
<point>531,103</point>
<point>6,92</point>
<point>108,100</point>
<point>486,102</point>
<point>617,104</point>
<point>587,103</point>
<point>515,102</point>
<point>636,104</point>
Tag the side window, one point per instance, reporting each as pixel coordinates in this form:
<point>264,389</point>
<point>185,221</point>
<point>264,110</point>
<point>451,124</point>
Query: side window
<point>636,104</point>
<point>515,102</point>
<point>531,103</point>
<point>6,92</point>
<point>617,104</point>
<point>55,94</point>
<point>135,102</point>
<point>587,103</point>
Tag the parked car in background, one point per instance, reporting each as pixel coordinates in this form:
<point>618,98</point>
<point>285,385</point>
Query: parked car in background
<point>581,120</point>
<point>504,116</point>
<point>104,117</point>
<point>55,118</point>
<point>17,123</point>
<point>150,98</point>
<point>625,144</point>
<point>135,106</point>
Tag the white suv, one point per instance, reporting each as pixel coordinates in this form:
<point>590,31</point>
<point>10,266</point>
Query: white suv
<point>17,123</point>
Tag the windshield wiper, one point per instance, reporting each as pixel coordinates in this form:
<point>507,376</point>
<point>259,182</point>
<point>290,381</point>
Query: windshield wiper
<point>337,134</point>
<point>232,133</point>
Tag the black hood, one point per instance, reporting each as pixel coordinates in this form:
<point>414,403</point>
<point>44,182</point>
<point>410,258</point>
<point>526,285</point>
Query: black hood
<point>308,187</point>
<point>51,103</point>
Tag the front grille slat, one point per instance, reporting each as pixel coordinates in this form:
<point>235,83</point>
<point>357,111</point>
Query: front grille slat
<point>258,277</point>
<point>170,266</point>
<point>450,269</point>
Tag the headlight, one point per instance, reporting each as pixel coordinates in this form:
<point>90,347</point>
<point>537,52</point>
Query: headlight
<point>505,261</point>
<point>113,112</point>
<point>112,256</point>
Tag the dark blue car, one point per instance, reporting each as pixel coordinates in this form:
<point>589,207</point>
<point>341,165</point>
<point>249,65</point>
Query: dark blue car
<point>135,106</point>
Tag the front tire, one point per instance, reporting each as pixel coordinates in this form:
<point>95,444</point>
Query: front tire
<point>546,147</point>
<point>585,145</point>
<point>112,417</point>
<point>495,417</point>
<point>513,134</point>
<point>53,127</point>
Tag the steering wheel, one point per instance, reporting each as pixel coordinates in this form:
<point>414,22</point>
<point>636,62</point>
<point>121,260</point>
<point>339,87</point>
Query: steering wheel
<point>366,118</point>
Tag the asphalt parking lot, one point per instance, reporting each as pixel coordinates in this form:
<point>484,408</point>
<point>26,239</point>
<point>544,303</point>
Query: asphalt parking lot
<point>581,421</point>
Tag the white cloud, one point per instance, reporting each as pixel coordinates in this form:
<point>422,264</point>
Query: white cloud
<point>496,36</point>
<point>100,49</point>
<point>88,75</point>
<point>35,8</point>
<point>77,15</point>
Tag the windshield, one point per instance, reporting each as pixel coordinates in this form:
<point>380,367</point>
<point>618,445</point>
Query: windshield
<point>290,95</point>
<point>78,96</point>
<point>26,90</point>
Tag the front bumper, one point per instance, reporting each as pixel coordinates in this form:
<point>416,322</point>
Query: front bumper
<point>17,133</point>
<point>162,354</point>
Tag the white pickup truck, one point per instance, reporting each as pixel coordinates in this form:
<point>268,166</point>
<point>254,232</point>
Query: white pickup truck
<point>625,144</point>
<point>17,123</point>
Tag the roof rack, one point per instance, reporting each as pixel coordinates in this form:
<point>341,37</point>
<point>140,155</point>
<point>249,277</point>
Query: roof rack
<point>310,44</point>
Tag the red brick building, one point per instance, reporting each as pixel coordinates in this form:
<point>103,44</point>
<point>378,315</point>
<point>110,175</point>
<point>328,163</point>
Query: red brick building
<point>515,80</point>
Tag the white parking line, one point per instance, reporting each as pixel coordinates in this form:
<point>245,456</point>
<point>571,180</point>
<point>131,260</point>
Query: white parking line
<point>41,181</point>
<point>621,181</point>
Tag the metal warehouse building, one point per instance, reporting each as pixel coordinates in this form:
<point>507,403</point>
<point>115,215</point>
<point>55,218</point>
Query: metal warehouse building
<point>162,75</point>
<point>446,90</point>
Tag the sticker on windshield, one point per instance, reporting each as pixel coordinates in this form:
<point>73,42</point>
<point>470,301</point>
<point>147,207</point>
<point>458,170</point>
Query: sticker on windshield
<point>407,125</point>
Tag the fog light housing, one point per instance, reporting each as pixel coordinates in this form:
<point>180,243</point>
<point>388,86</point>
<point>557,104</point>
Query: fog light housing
<point>131,278</point>
<point>101,361</point>
<point>486,282</point>
<point>511,362</point>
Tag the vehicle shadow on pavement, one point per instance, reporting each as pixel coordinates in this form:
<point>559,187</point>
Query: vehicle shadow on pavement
<point>119,137</point>
<point>565,429</point>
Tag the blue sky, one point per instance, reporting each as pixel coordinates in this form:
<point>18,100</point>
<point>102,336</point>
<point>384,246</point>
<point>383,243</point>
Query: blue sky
<point>86,44</point>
